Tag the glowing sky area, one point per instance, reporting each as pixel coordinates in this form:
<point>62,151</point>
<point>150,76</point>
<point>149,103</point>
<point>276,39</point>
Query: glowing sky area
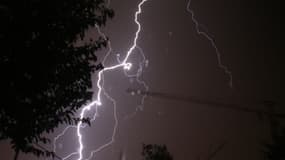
<point>233,57</point>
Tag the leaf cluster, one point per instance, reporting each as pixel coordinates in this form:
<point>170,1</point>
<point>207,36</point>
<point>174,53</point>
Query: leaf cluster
<point>276,149</point>
<point>45,74</point>
<point>156,152</point>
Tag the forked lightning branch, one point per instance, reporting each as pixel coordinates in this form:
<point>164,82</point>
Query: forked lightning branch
<point>124,64</point>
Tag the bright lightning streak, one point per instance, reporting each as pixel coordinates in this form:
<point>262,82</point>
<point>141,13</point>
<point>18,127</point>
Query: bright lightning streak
<point>123,64</point>
<point>127,66</point>
<point>209,38</point>
<point>95,115</point>
<point>100,82</point>
<point>137,75</point>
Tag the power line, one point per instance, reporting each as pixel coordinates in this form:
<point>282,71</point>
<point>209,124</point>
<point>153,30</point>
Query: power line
<point>210,103</point>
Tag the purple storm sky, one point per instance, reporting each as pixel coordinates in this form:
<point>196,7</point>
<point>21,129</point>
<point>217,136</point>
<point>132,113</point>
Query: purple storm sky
<point>181,62</point>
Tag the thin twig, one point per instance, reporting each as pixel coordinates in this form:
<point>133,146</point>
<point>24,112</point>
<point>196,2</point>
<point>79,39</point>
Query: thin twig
<point>43,148</point>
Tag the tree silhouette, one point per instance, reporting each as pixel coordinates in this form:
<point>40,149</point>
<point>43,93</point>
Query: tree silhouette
<point>155,152</point>
<point>46,65</point>
<point>276,149</point>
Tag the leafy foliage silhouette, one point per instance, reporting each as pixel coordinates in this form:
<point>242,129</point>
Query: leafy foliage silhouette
<point>155,152</point>
<point>276,149</point>
<point>46,64</point>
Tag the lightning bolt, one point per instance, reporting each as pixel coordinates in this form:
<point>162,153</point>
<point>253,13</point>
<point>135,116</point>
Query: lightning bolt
<point>212,41</point>
<point>126,65</point>
<point>137,76</point>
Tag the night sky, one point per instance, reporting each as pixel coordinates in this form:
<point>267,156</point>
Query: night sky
<point>182,62</point>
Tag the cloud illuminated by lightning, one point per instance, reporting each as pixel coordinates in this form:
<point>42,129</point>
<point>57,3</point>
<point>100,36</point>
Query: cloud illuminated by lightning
<point>126,65</point>
<point>211,39</point>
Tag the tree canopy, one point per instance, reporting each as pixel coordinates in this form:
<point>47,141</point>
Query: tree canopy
<point>45,72</point>
<point>155,152</point>
<point>275,149</point>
